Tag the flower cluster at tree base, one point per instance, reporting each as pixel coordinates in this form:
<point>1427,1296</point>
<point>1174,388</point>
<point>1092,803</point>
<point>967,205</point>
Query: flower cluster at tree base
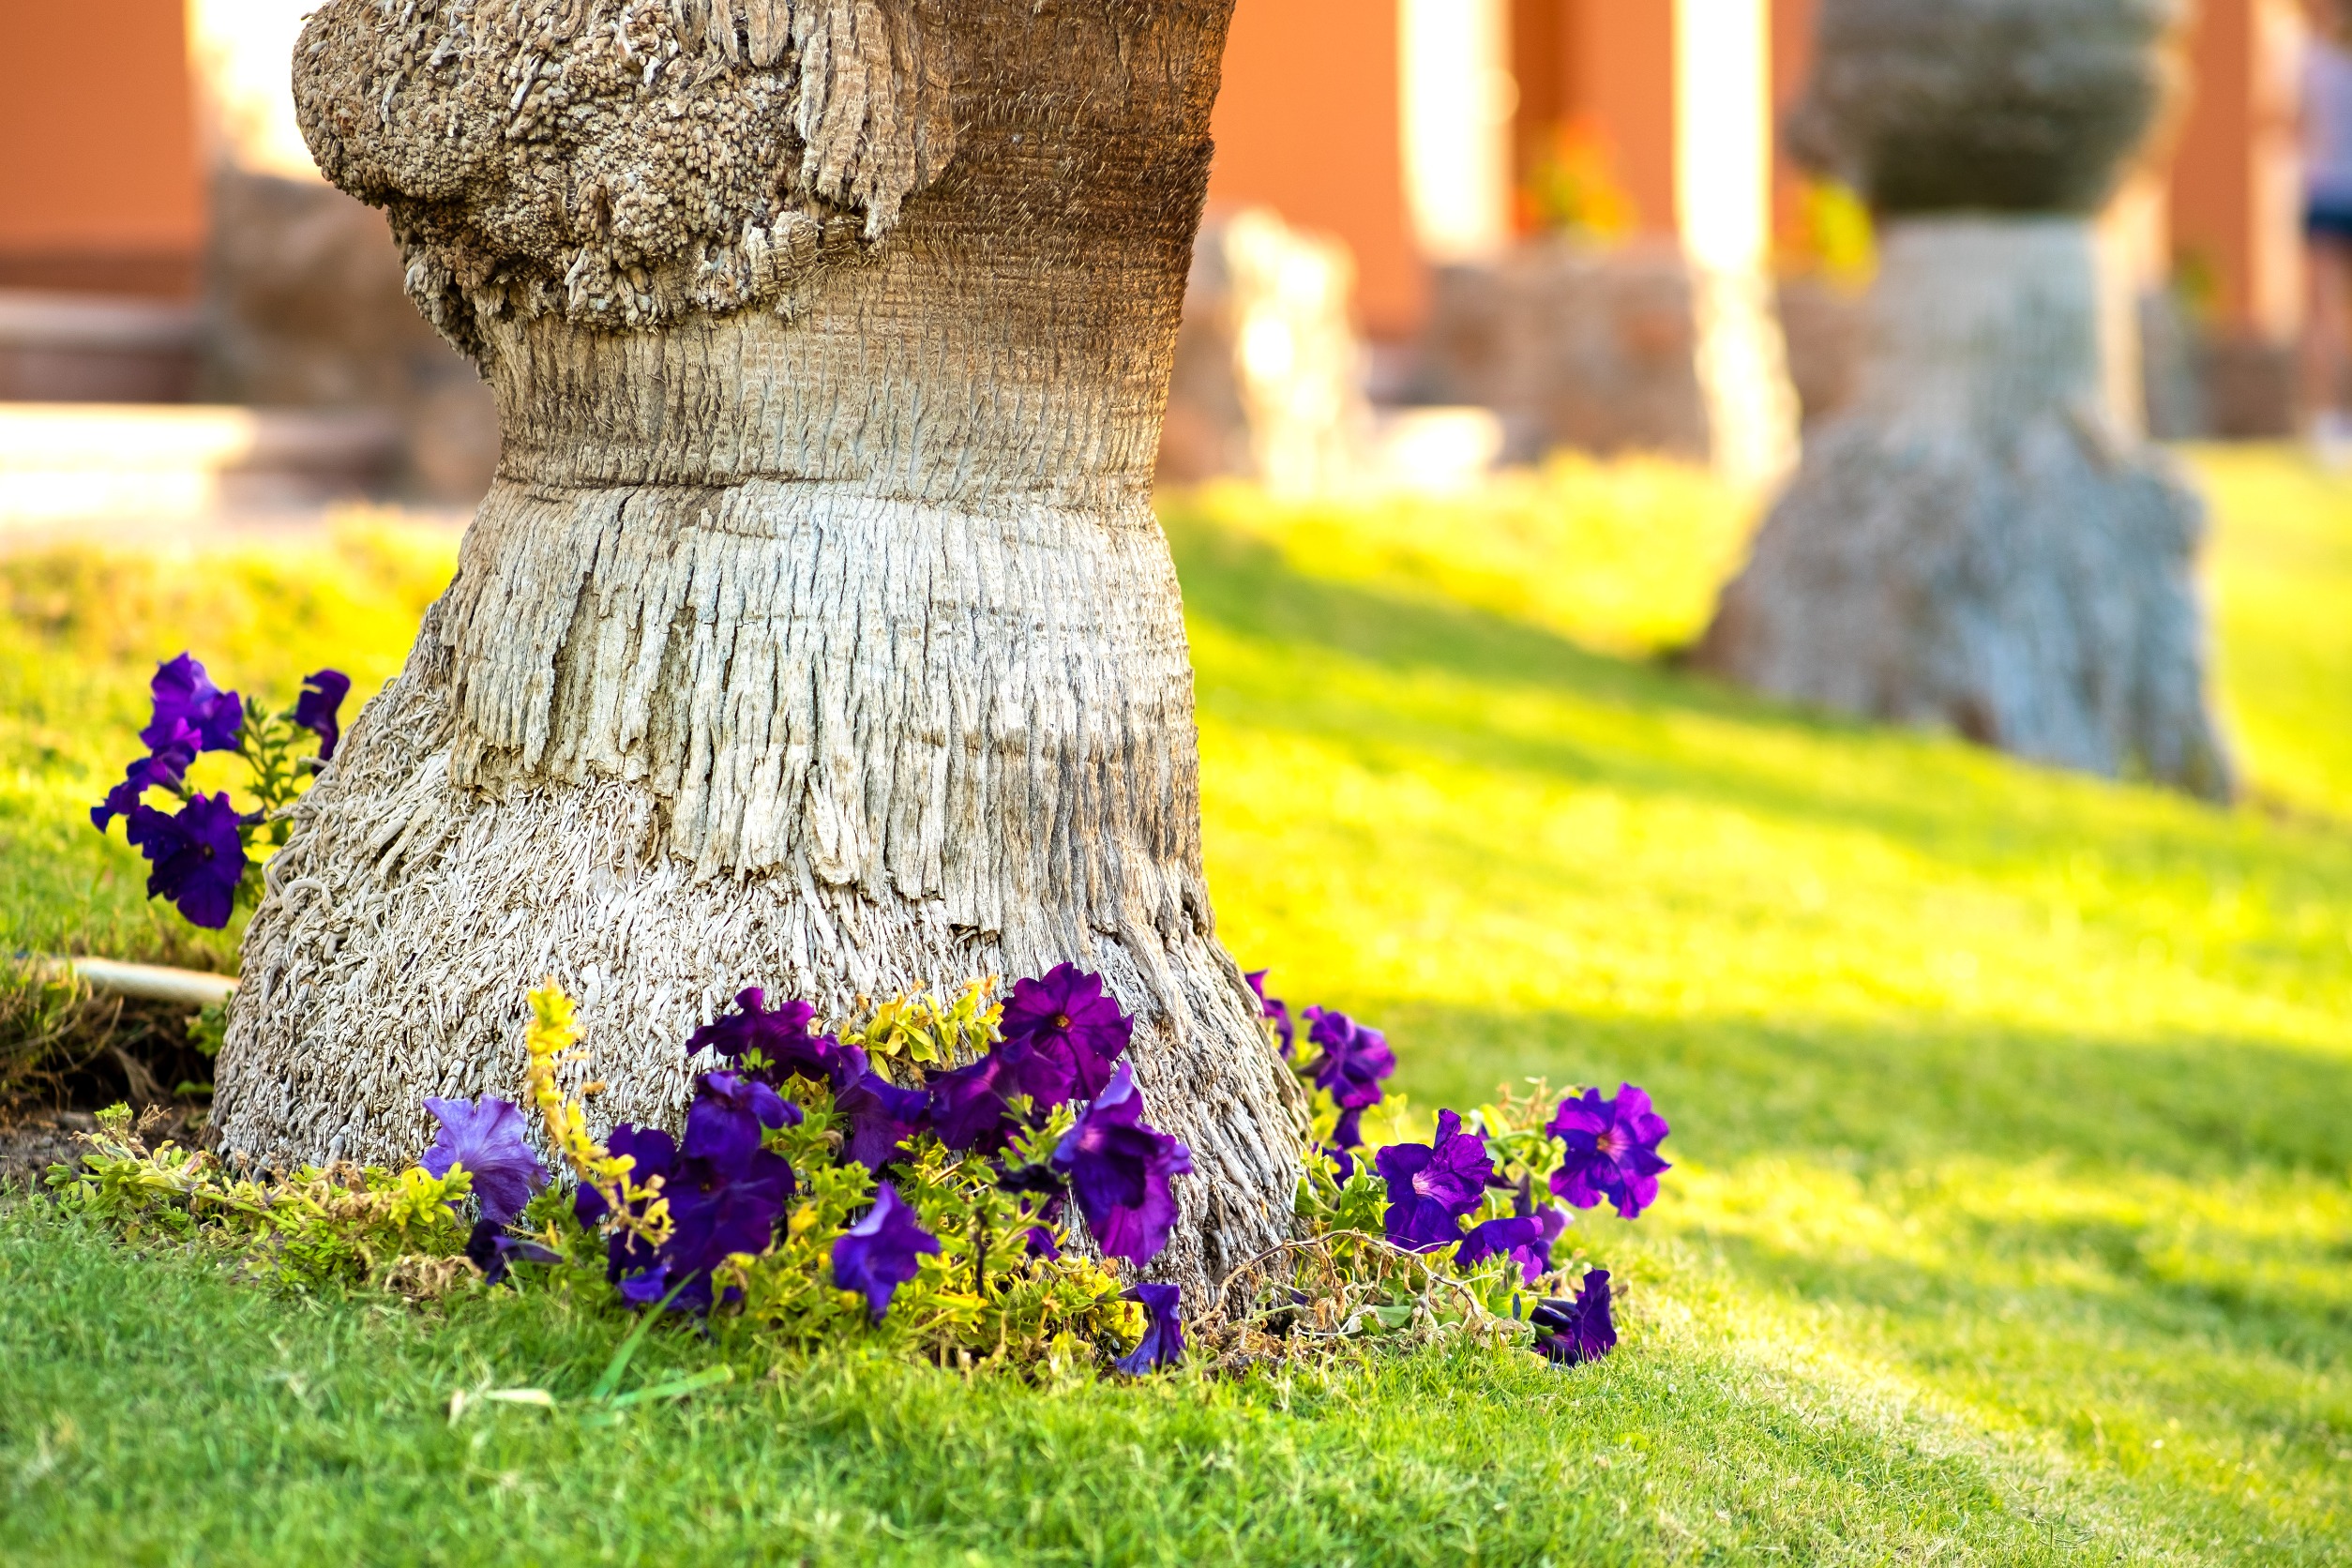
<point>957,1179</point>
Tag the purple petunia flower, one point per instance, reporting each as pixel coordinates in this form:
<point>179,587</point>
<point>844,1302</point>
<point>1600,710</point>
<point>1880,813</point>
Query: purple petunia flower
<point>880,1253</point>
<point>882,1118</point>
<point>318,707</point>
<point>729,1114</point>
<point>786,1048</point>
<point>1163,1331</point>
<point>1120,1169</point>
<point>485,1136</point>
<point>627,1256</point>
<point>1341,1159</point>
<point>185,696</point>
<point>1433,1187</point>
<point>1061,1036</point>
<point>167,769</point>
<point>198,855</point>
<point>719,1208</point>
<point>969,1111</point>
<point>1528,1238</point>
<point>1582,1330</point>
<point>493,1251</point>
<point>1612,1150</point>
<point>1353,1062</point>
<point>1277,1011</point>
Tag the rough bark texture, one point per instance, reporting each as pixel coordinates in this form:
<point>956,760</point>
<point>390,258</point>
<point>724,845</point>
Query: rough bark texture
<point>2030,106</point>
<point>1977,541</point>
<point>816,633</point>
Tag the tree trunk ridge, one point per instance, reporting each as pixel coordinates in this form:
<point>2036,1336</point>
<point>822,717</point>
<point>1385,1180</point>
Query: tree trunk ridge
<point>829,645</point>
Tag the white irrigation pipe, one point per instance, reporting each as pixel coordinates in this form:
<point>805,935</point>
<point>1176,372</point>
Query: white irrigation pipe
<point>186,988</point>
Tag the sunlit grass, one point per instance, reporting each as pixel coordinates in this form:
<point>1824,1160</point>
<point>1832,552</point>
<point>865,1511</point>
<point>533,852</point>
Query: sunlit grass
<point>2013,1215</point>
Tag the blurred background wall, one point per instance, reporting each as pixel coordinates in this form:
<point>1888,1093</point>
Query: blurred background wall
<point>1476,230</point>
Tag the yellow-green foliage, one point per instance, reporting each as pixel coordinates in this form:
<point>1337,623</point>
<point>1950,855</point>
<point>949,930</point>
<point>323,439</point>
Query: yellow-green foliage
<point>321,1226</point>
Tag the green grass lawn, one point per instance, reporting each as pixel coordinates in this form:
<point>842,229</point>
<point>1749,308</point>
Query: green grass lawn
<point>2012,1213</point>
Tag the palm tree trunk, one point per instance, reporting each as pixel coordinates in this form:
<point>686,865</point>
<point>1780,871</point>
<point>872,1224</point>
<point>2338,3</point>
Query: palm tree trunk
<point>817,632</point>
<point>1981,541</point>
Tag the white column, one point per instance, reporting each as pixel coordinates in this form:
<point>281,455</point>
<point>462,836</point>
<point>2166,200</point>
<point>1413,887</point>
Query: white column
<point>243,54</point>
<point>1459,97</point>
<point>1723,138</point>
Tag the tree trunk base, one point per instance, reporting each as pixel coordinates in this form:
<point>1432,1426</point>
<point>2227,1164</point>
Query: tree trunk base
<point>408,916</point>
<point>1976,544</point>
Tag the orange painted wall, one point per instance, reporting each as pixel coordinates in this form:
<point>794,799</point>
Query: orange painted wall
<point>2231,213</point>
<point>1621,78</point>
<point>1792,67</point>
<point>99,172</point>
<point>1309,122</point>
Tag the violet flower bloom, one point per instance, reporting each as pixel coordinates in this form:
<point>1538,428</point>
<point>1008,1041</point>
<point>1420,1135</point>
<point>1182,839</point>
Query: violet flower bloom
<point>1527,1238</point>
<point>1061,1035</point>
<point>881,1252</point>
<point>1353,1062</point>
<point>969,1113</point>
<point>167,769</point>
<point>198,854</point>
<point>718,1208</point>
<point>1344,1161</point>
<point>627,1258</point>
<point>1612,1150</point>
<point>185,695</point>
<point>493,1251</point>
<point>318,707</point>
<point>782,1039</point>
<point>1573,1332</point>
<point>1120,1169</point>
<point>882,1118</point>
<point>485,1136</point>
<point>1433,1187</point>
<point>1163,1331</point>
<point>1277,1011</point>
<point>729,1114</point>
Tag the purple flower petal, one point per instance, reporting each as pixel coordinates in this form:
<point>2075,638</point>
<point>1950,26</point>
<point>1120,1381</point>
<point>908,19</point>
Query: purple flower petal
<point>969,1113</point>
<point>185,696</point>
<point>319,707</point>
<point>717,1209</point>
<point>882,1117</point>
<point>493,1251</point>
<point>786,1048</point>
<point>729,1114</point>
<point>1277,1011</point>
<point>1527,1238</point>
<point>1163,1330</point>
<point>881,1252</point>
<point>165,770</point>
<point>1353,1062</point>
<point>1612,1150</point>
<point>198,855</point>
<point>1120,1170</point>
<point>1573,1332</point>
<point>486,1137</point>
<point>1062,1036</point>
<point>1433,1187</point>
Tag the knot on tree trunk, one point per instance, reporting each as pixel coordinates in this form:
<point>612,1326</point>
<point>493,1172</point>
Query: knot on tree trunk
<point>1987,105</point>
<point>623,163</point>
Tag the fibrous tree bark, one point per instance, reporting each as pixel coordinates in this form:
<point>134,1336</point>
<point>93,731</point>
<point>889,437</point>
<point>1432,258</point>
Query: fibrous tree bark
<point>1980,540</point>
<point>817,632</point>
